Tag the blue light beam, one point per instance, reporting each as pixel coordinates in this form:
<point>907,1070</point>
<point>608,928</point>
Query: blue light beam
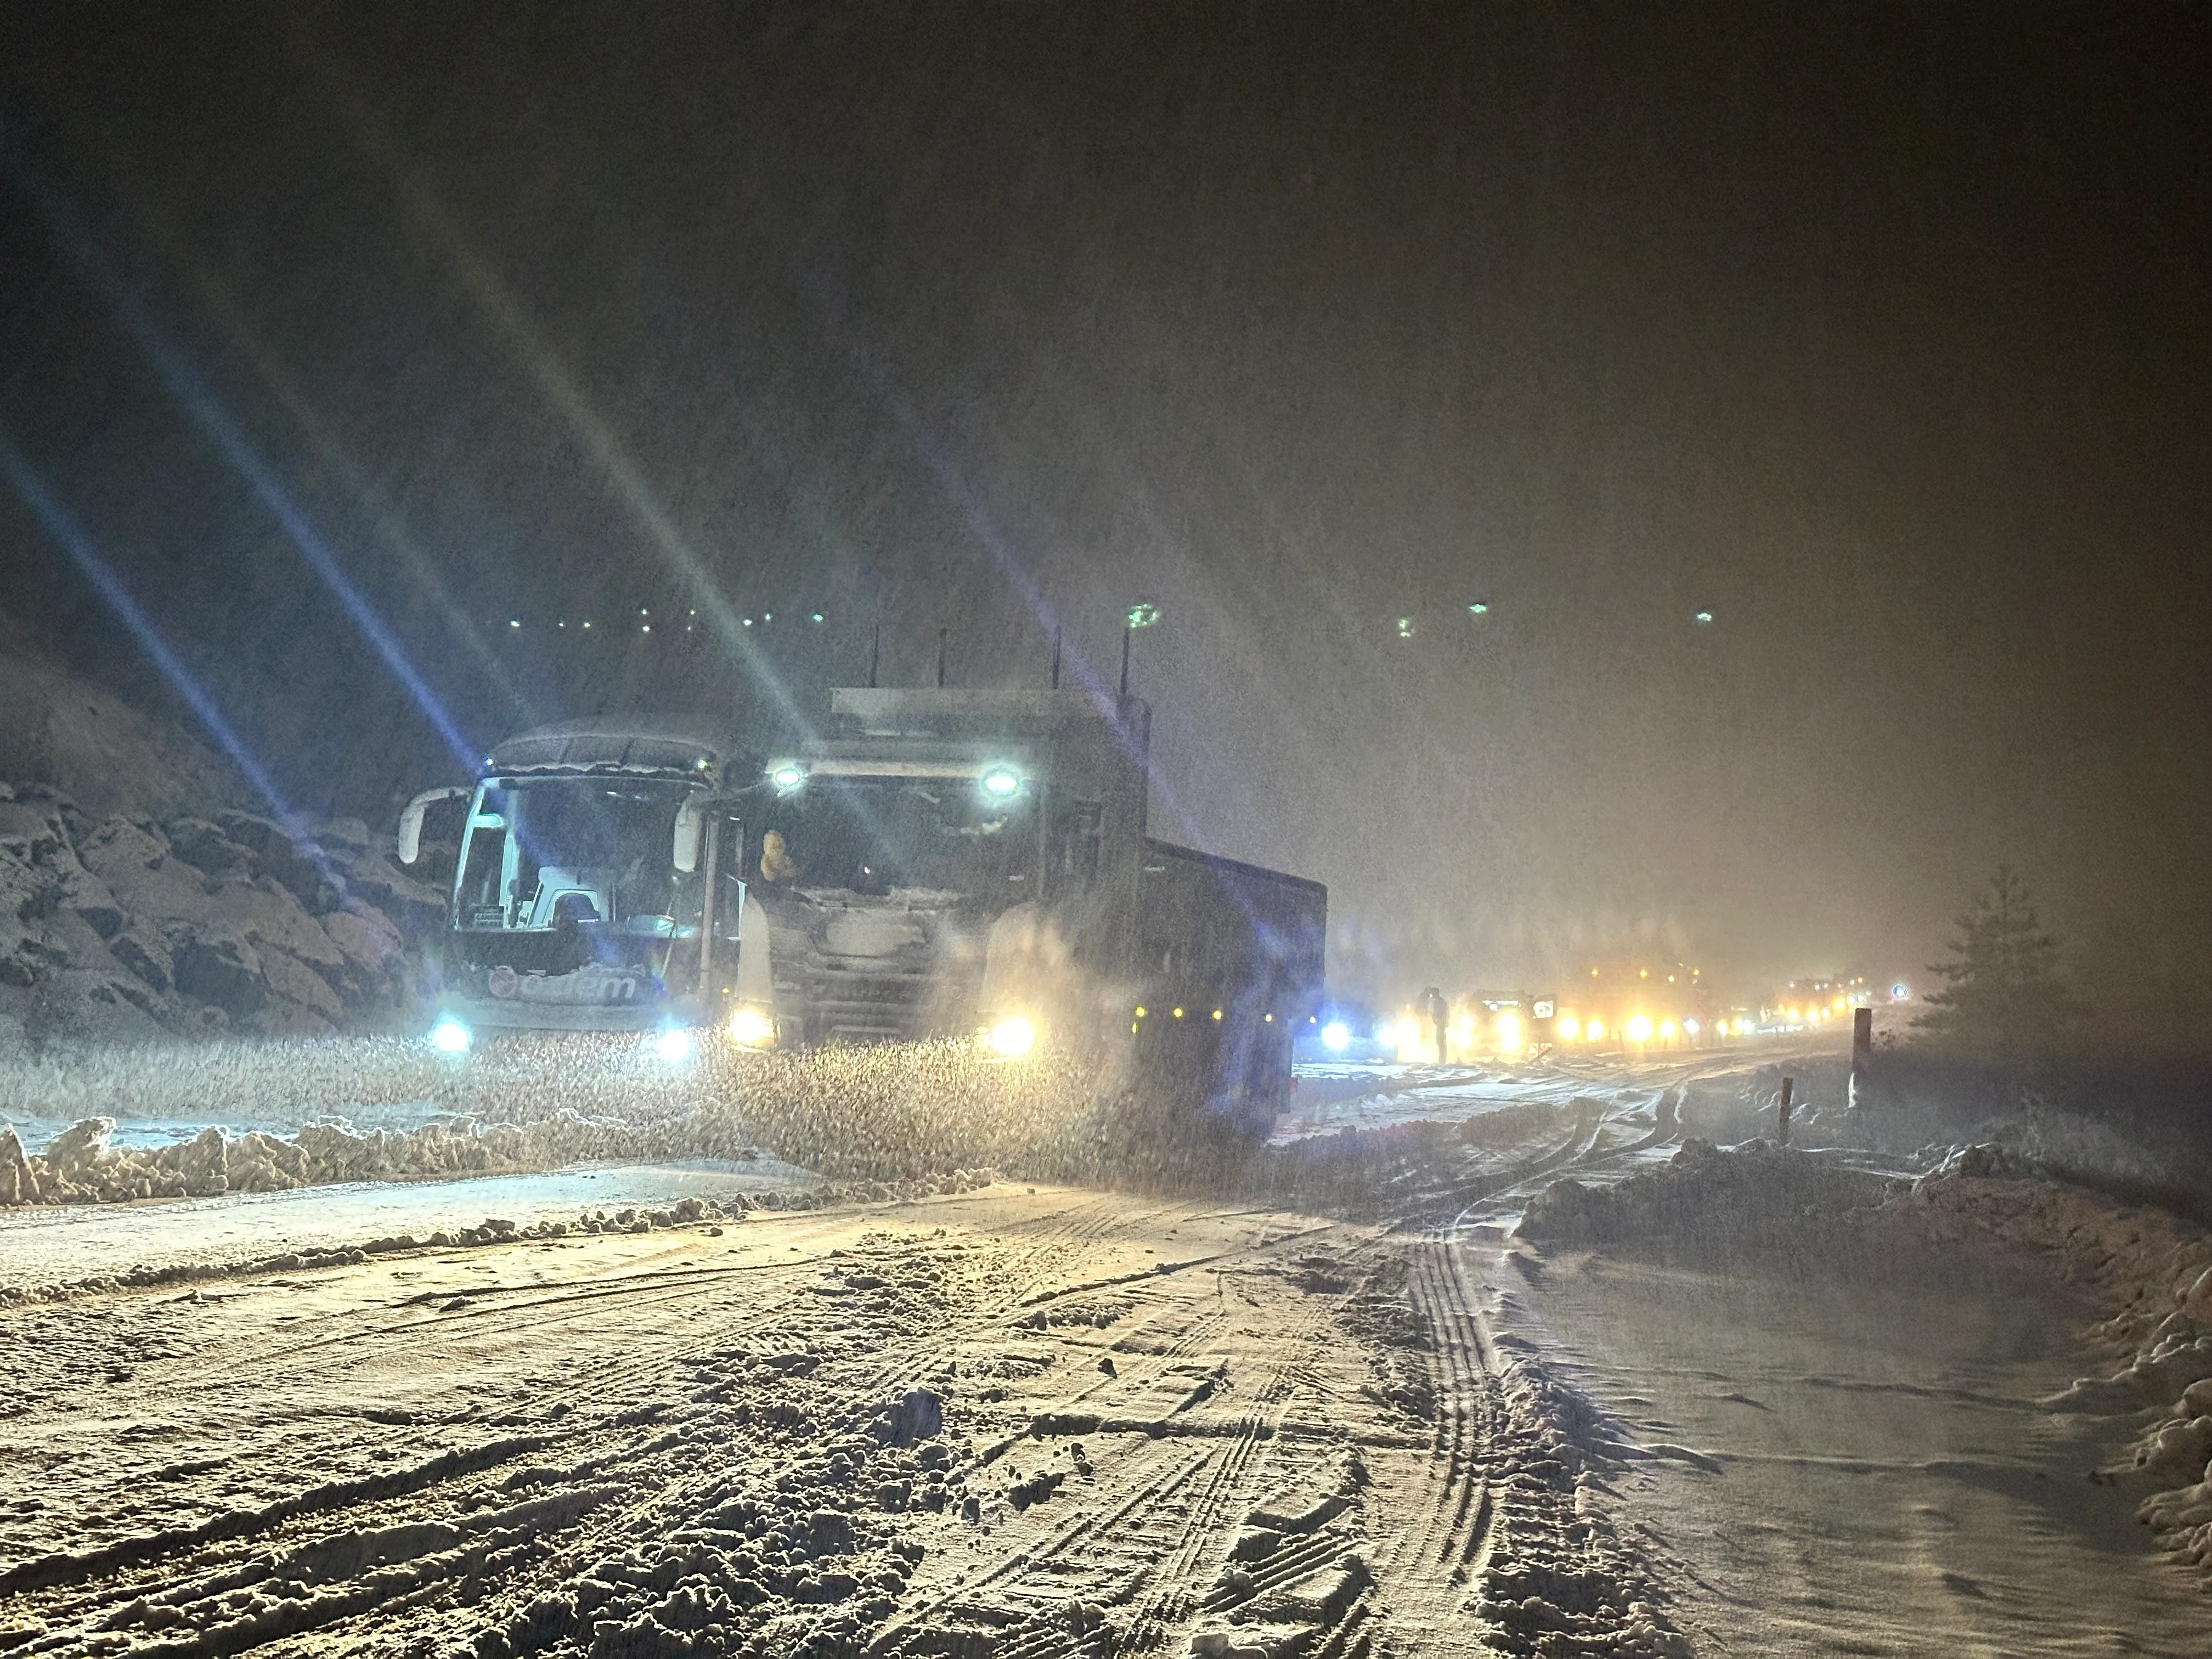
<point>63,526</point>
<point>200,404</point>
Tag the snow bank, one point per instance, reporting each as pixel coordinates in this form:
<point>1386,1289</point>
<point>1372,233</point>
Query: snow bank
<point>81,1165</point>
<point>1755,1195</point>
<point>524,1104</point>
<point>2158,1269</point>
<point>2154,1268</point>
<point>637,1218</point>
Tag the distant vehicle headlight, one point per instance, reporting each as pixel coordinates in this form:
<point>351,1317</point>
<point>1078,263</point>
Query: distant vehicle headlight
<point>1667,1028</point>
<point>673,1045</point>
<point>450,1037</point>
<point>788,776</point>
<point>1639,1029</point>
<point>1569,1029</point>
<point>752,1029</point>
<point>1336,1036</point>
<point>1691,1026</point>
<point>1011,1038</point>
<point>1001,783</point>
<point>1594,1031</point>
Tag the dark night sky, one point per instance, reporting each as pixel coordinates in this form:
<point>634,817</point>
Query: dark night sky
<point>1881,331</point>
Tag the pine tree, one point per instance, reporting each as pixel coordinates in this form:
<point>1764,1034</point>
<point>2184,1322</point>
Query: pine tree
<point>2003,1001</point>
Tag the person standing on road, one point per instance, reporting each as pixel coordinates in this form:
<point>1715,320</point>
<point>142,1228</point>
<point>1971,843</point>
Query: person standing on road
<point>1439,1012</point>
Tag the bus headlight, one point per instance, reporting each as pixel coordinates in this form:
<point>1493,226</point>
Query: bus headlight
<point>1011,1038</point>
<point>450,1037</point>
<point>752,1029</point>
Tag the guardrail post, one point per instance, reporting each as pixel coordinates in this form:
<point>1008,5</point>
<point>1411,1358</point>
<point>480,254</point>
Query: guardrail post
<point>1782,1127</point>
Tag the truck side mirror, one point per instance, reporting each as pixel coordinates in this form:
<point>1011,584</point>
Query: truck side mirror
<point>409,842</point>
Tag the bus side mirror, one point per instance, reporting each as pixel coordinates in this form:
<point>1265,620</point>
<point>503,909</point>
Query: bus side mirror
<point>409,842</point>
<point>691,823</point>
<point>691,820</point>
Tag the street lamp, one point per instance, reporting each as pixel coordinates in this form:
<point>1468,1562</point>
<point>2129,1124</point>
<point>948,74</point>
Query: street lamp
<point>1143,614</point>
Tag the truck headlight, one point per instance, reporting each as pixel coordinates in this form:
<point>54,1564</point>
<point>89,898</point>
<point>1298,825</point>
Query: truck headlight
<point>752,1029</point>
<point>450,1037</point>
<point>1011,1038</point>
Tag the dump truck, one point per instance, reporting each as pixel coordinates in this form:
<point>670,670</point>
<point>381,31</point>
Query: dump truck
<point>971,866</point>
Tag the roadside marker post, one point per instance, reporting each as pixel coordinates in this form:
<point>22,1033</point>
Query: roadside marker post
<point>1862,1054</point>
<point>1782,1129</point>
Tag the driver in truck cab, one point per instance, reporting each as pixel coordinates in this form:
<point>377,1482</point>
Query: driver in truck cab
<point>776,863</point>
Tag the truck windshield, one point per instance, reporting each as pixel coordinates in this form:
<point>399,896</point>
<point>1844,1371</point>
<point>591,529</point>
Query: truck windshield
<point>607,842</point>
<point>871,835</point>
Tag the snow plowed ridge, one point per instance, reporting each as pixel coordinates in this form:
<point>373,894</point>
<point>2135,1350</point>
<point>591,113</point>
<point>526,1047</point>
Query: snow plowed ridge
<point>999,1423</point>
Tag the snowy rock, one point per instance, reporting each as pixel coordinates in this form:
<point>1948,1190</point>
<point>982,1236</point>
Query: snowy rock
<point>301,868</point>
<point>375,955</point>
<point>147,954</point>
<point>2197,1300</point>
<point>206,848</point>
<point>133,860</point>
<point>416,909</point>
<point>33,830</point>
<point>224,970</point>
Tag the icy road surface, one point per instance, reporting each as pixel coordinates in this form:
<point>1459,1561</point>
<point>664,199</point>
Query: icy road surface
<point>1333,1096</point>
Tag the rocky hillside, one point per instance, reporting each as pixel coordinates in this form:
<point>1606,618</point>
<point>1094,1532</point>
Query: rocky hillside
<point>139,899</point>
<point>126,927</point>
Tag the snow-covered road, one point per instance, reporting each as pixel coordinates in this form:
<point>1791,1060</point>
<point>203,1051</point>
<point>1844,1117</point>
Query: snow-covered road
<point>1037,1421</point>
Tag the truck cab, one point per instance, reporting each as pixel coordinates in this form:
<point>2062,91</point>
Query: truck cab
<point>958,863</point>
<point>944,862</point>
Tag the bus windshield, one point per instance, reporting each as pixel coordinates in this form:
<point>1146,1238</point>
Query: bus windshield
<point>608,841</point>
